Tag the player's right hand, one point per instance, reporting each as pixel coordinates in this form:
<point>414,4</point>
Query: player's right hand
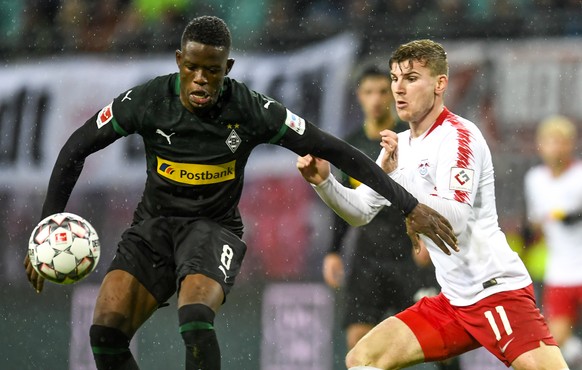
<point>314,170</point>
<point>333,270</point>
<point>35,279</point>
<point>427,221</point>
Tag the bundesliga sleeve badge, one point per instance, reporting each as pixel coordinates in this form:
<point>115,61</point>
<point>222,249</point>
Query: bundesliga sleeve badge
<point>295,123</point>
<point>461,179</point>
<point>104,116</point>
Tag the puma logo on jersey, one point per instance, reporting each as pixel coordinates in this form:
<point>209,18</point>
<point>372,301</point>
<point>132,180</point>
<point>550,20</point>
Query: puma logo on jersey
<point>266,105</point>
<point>158,131</point>
<point>126,97</point>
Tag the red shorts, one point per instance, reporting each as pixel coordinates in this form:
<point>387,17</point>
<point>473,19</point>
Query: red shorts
<point>508,324</point>
<point>560,301</point>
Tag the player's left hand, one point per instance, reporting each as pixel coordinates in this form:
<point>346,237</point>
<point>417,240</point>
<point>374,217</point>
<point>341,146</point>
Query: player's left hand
<point>427,221</point>
<point>390,144</point>
<point>35,279</point>
<point>314,170</point>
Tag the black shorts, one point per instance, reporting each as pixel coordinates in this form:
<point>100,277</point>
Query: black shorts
<point>377,288</point>
<point>160,252</point>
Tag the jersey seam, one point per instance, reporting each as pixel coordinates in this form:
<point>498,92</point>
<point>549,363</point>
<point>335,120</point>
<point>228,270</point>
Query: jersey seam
<point>279,134</point>
<point>118,127</point>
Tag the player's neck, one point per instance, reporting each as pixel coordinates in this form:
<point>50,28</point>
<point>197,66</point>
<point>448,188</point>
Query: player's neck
<point>559,168</point>
<point>418,128</point>
<point>372,127</point>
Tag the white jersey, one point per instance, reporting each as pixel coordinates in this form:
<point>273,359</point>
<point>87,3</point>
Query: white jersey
<point>546,194</point>
<point>448,168</point>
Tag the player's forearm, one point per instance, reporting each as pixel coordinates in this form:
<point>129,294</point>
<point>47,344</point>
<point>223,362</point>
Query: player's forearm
<point>457,213</point>
<point>349,204</point>
<point>352,162</point>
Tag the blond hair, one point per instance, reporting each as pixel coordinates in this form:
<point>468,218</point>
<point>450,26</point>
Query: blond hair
<point>556,125</point>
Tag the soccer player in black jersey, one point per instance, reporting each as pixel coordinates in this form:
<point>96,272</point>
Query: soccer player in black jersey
<point>199,128</point>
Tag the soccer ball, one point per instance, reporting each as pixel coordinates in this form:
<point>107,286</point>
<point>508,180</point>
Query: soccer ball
<point>64,248</point>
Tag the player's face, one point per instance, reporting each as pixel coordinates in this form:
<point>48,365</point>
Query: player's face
<point>202,70</point>
<point>375,97</point>
<point>556,149</point>
<point>416,91</point>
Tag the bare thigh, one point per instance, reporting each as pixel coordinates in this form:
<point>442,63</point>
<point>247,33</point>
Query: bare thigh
<point>542,358</point>
<point>123,303</point>
<point>389,345</point>
<point>355,332</point>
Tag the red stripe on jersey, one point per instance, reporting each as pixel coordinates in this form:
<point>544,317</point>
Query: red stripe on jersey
<point>439,121</point>
<point>464,152</point>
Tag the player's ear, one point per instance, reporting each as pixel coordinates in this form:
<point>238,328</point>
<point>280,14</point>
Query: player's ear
<point>178,57</point>
<point>441,84</point>
<point>229,64</point>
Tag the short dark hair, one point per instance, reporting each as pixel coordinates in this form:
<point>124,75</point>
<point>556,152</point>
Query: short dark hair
<point>371,70</point>
<point>207,30</point>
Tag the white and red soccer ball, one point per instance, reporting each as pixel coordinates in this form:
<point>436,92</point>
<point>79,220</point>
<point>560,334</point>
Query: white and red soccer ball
<point>64,248</point>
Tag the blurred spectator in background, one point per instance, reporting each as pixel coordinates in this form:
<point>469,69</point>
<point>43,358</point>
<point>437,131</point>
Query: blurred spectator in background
<point>145,26</point>
<point>554,208</point>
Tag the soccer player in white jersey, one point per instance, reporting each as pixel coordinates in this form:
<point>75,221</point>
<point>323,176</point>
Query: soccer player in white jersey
<point>554,205</point>
<point>487,295</point>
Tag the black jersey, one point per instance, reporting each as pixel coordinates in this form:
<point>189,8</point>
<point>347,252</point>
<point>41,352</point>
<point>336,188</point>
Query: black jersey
<point>195,162</point>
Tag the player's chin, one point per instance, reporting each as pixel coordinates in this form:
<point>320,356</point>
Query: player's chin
<point>199,105</point>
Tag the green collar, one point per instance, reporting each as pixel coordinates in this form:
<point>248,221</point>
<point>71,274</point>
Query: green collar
<point>177,85</point>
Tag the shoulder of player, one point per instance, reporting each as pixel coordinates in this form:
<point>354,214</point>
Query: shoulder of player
<point>161,86</point>
<point>250,102</point>
<point>157,88</point>
<point>240,90</point>
<point>458,128</point>
<point>535,175</point>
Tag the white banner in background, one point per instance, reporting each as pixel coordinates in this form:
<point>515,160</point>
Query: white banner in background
<point>42,103</point>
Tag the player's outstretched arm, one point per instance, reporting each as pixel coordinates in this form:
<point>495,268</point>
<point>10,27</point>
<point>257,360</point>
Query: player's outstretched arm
<point>85,140</point>
<point>423,219</point>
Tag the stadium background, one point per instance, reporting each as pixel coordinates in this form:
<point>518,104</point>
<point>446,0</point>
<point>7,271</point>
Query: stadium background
<point>513,62</point>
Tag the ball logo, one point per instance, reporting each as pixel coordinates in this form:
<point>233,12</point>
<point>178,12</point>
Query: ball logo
<point>166,168</point>
<point>61,238</point>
